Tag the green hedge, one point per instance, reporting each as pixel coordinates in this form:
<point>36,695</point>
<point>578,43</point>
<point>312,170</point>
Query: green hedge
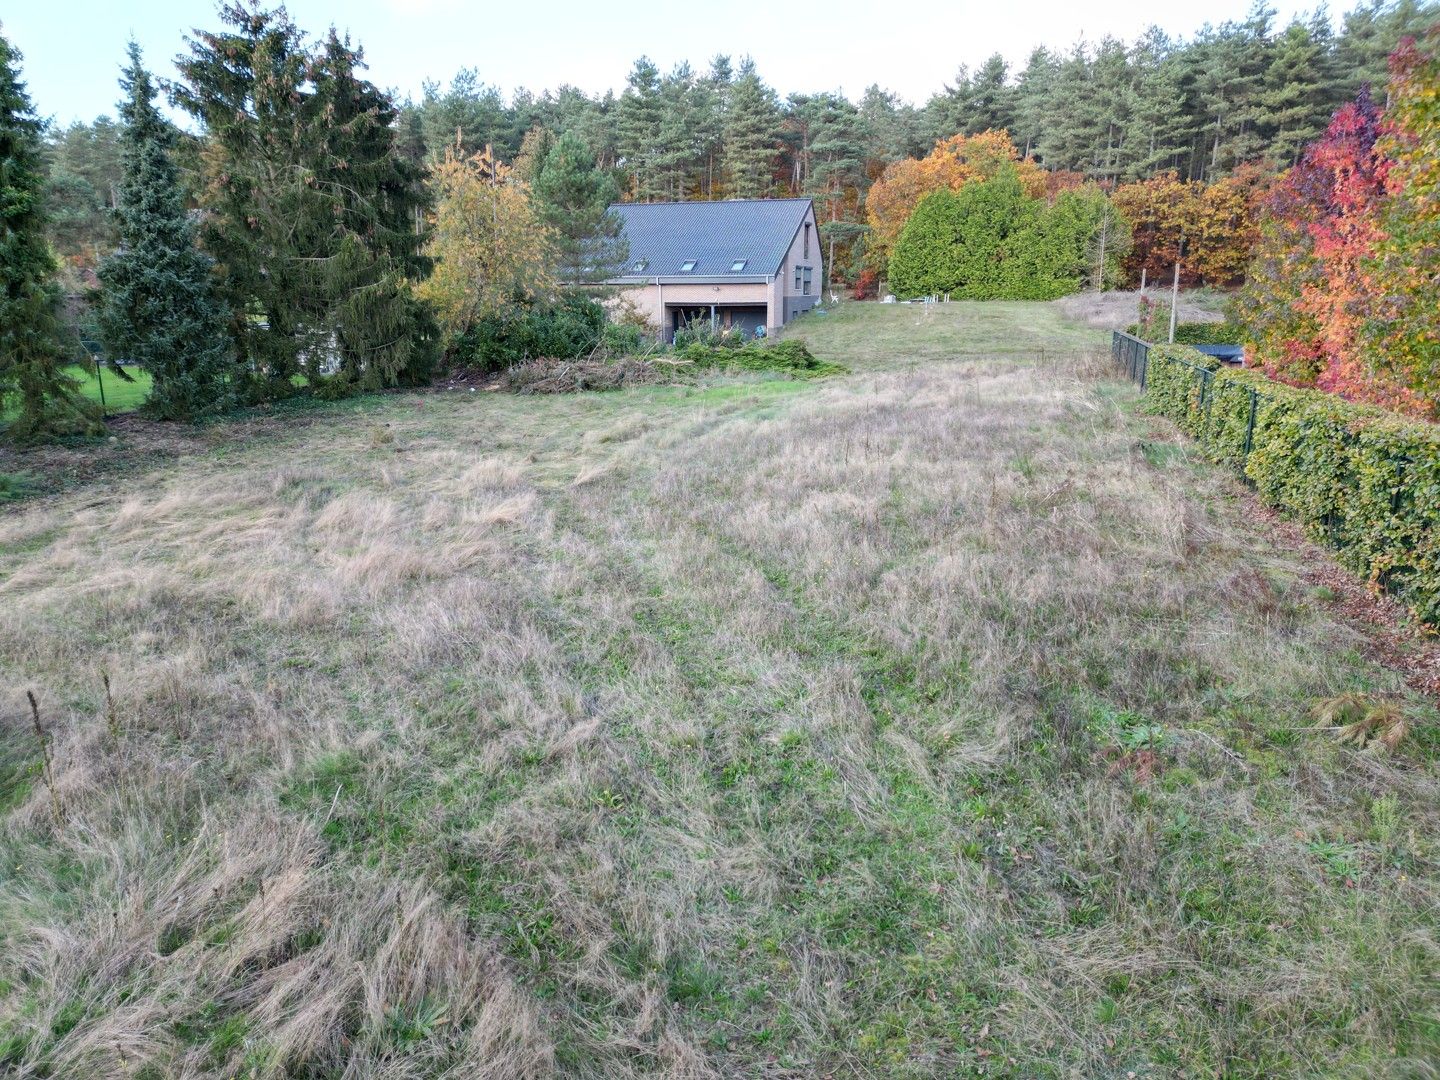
<point>1363,480</point>
<point>1194,333</point>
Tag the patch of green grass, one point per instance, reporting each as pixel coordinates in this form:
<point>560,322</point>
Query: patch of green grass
<point>15,486</point>
<point>119,395</point>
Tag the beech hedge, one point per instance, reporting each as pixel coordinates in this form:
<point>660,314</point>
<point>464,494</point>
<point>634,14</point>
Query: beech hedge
<point>1358,478</point>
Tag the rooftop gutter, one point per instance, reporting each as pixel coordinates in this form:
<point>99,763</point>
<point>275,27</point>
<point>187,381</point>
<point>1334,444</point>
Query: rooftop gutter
<point>692,279</point>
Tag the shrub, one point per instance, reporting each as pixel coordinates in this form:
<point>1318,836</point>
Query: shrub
<point>623,339</point>
<point>1192,333</point>
<point>551,376</point>
<point>703,332</point>
<point>1363,480</point>
<point>571,327</point>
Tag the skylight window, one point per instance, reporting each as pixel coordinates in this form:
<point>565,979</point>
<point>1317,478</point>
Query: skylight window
<point>738,265</point>
<point>639,266</point>
<point>687,266</point>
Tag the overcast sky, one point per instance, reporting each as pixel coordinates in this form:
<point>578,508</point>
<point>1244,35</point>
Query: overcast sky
<point>73,48</point>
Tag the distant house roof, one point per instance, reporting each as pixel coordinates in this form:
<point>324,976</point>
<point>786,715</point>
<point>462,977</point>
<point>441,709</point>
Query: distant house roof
<point>736,239</point>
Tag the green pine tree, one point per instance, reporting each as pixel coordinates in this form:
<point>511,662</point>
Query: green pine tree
<point>32,379</point>
<point>1298,91</point>
<point>751,123</point>
<point>837,152</point>
<point>990,102</point>
<point>246,84</point>
<point>158,307</point>
<point>1032,100</point>
<point>640,118</point>
<point>574,199</point>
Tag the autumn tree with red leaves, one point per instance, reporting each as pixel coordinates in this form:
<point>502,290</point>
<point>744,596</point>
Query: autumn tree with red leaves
<point>1310,291</point>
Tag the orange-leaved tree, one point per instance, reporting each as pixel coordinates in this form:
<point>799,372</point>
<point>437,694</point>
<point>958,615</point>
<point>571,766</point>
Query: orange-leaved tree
<point>489,245</point>
<point>1216,223</point>
<point>1312,289</point>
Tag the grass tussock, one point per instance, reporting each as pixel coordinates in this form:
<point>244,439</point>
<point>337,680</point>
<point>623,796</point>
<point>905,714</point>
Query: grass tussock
<point>943,719</point>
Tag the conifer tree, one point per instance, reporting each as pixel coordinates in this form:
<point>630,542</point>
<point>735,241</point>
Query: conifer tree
<point>32,379</point>
<point>245,84</point>
<point>1295,99</point>
<point>751,133</point>
<point>990,101</point>
<point>639,122</point>
<point>370,204</point>
<point>837,153</point>
<point>574,198</point>
<point>1032,100</point>
<point>315,214</point>
<point>158,308</point>
<point>924,262</point>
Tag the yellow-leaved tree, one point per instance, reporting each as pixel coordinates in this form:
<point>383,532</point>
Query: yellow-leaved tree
<point>953,163</point>
<point>491,249</point>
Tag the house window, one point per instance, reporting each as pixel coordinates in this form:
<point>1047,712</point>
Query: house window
<point>797,279</point>
<point>639,267</point>
<point>805,290</point>
<point>807,239</point>
<point>737,266</point>
<point>687,266</point>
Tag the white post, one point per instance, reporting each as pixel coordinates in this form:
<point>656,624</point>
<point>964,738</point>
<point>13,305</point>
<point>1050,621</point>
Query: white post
<point>1174,302</point>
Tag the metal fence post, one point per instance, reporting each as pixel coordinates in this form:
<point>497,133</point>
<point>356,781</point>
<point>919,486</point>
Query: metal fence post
<point>1250,424</point>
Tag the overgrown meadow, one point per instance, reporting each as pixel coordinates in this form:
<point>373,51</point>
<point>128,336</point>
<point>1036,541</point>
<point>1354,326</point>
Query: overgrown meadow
<point>949,717</point>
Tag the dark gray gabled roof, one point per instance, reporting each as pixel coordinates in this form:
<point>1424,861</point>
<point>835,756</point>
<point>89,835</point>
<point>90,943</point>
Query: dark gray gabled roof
<point>716,235</point>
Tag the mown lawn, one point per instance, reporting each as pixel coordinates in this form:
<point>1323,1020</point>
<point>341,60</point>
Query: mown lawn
<point>946,718</point>
<point>119,396</point>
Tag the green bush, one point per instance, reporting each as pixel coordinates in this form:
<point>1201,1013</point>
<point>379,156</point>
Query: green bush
<point>1363,480</point>
<point>623,339</point>
<point>703,332</point>
<point>571,327</point>
<point>1195,333</point>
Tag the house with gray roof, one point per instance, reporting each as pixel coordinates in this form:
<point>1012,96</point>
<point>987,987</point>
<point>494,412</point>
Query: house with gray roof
<point>739,264</point>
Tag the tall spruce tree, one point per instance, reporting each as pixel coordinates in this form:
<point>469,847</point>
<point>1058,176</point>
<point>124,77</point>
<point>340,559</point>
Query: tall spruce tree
<point>158,308</point>
<point>367,255</point>
<point>32,380</point>
<point>246,84</point>
<point>314,210</point>
<point>574,199</point>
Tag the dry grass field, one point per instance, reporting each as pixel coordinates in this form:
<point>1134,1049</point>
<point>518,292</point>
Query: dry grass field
<point>946,718</point>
